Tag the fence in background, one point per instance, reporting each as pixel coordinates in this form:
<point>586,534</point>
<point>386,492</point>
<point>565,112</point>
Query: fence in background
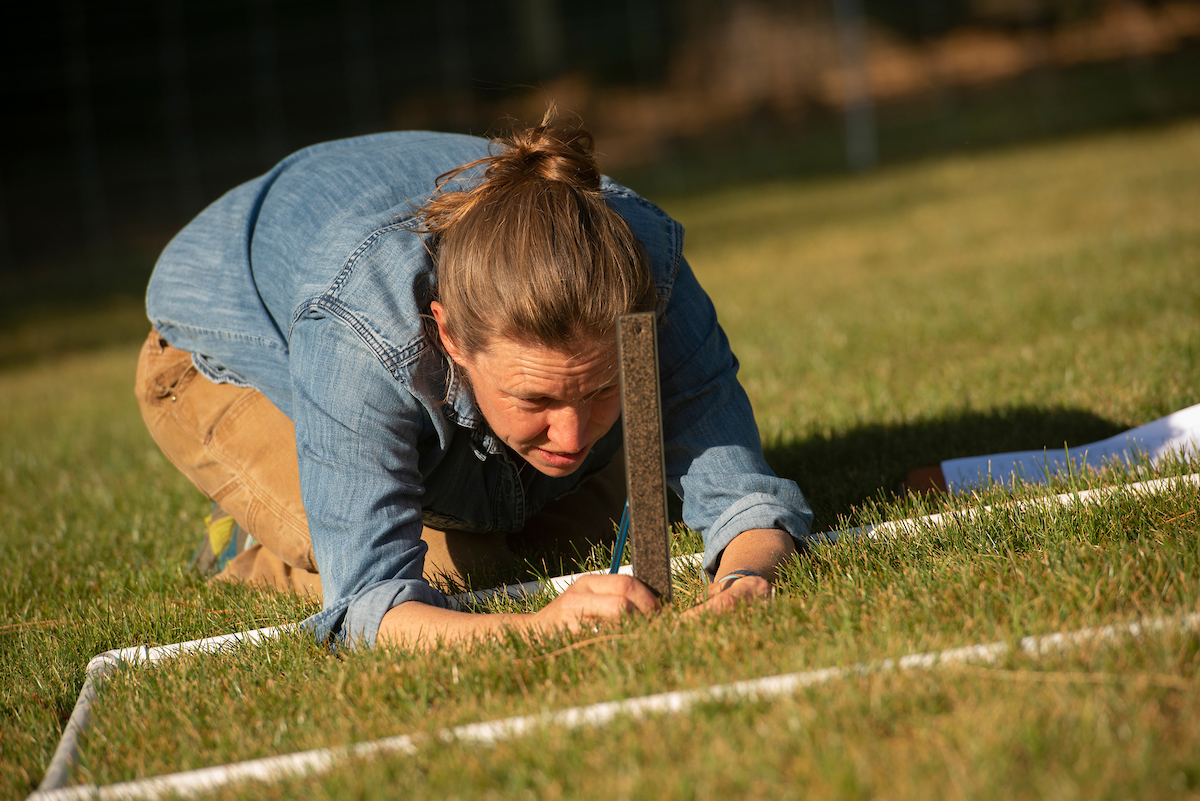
<point>123,120</point>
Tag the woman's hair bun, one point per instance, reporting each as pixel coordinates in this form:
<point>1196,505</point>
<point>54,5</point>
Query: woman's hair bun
<point>530,250</point>
<point>553,150</point>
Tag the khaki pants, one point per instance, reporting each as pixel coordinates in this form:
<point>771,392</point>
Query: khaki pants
<point>240,451</point>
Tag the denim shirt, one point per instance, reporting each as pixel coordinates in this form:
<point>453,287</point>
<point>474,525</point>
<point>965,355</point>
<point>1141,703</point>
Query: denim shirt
<point>310,284</point>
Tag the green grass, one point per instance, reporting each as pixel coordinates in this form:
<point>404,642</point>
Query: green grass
<point>1014,300</point>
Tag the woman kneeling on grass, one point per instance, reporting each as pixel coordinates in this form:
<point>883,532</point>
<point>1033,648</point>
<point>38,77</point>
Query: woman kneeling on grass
<point>393,358</point>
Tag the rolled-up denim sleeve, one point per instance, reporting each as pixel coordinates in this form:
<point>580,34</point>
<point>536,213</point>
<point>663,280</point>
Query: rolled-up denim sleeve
<point>357,429</point>
<point>714,456</point>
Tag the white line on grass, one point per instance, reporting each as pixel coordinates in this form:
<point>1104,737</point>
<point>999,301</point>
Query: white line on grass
<point>193,783</point>
<point>101,665</point>
<point>916,525</point>
<point>65,755</point>
<point>910,527</point>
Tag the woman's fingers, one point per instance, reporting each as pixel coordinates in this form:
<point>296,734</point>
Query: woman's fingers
<point>728,595</point>
<point>616,584</point>
<point>596,598</point>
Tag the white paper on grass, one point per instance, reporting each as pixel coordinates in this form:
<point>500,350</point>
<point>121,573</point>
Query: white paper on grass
<point>1175,434</point>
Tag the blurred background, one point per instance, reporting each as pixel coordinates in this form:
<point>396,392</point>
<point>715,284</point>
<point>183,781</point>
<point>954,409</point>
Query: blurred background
<point>123,119</point>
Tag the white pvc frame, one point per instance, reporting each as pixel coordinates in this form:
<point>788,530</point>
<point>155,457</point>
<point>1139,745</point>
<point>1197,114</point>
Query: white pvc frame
<point>195,782</point>
<point>192,783</point>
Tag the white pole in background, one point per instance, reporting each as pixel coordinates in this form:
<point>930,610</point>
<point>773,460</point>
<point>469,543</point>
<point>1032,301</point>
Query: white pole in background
<point>862,142</point>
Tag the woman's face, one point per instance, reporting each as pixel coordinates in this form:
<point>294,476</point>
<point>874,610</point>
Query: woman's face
<point>548,406</point>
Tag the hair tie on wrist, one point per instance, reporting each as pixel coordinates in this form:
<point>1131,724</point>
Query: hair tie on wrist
<point>737,574</point>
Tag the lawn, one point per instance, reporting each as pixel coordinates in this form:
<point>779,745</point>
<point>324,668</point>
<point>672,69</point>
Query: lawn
<point>1019,299</point>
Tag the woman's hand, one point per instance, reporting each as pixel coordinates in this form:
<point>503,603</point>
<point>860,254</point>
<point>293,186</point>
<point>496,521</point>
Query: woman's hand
<point>730,593</point>
<point>598,598</point>
<point>593,599</point>
<point>588,601</point>
<point>746,571</point>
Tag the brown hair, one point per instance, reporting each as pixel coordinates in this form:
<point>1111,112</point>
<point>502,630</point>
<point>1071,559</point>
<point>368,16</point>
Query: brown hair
<point>532,253</point>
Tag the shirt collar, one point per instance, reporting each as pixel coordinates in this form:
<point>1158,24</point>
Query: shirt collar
<point>461,410</point>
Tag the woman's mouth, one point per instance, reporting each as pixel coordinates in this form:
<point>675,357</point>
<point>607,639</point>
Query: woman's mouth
<point>559,459</point>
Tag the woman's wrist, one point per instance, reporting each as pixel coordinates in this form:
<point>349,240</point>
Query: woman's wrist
<point>730,585</point>
<point>759,551</point>
<point>734,575</point>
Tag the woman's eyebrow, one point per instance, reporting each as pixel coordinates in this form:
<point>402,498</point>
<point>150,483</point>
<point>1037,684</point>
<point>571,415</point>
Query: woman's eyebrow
<point>541,396</point>
<point>614,385</point>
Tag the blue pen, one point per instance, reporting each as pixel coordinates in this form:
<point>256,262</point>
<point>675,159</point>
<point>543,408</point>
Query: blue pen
<point>622,533</point>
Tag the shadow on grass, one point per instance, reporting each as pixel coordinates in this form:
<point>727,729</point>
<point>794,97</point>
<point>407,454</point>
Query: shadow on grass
<point>840,472</point>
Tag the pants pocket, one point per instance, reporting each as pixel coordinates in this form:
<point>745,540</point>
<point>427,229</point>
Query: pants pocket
<point>163,371</point>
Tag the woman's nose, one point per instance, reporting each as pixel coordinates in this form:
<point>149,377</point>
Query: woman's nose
<point>568,427</point>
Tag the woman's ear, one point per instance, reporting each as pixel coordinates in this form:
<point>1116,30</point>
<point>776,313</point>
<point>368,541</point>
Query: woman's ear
<point>441,318</point>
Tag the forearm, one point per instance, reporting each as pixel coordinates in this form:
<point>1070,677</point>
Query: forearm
<point>759,550</point>
<point>418,625</point>
<point>591,599</point>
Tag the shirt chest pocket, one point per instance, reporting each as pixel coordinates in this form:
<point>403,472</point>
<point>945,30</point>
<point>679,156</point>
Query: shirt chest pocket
<point>466,493</point>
